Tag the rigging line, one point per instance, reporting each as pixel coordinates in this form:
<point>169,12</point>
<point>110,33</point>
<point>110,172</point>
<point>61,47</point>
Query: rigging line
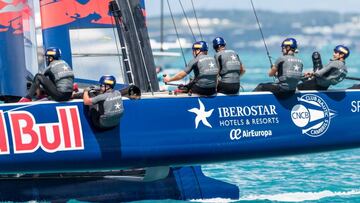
<point>117,48</point>
<point>261,32</point>
<point>187,20</point>
<point>242,89</point>
<point>197,21</point>
<point>162,26</point>
<point>141,51</point>
<point>352,78</point>
<point>177,34</point>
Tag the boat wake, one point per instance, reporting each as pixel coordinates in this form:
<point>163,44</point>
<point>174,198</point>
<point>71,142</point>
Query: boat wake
<point>289,197</point>
<point>301,196</point>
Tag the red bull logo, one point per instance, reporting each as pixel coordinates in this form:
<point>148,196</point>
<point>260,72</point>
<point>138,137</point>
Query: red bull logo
<point>61,12</point>
<point>14,16</point>
<point>28,136</point>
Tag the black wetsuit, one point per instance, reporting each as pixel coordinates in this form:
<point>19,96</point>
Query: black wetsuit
<point>57,81</point>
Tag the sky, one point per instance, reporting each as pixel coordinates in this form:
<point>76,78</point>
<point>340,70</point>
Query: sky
<point>343,6</point>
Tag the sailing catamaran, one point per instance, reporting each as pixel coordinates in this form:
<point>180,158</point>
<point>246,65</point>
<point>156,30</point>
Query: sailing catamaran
<point>50,151</point>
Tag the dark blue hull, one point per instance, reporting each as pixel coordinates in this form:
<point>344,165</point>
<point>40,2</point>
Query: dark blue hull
<point>50,137</point>
<point>57,137</point>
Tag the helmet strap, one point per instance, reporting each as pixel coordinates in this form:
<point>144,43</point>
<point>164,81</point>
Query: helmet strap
<point>342,56</point>
<point>197,52</point>
<point>49,59</point>
<point>220,47</point>
<point>107,88</point>
<point>288,49</point>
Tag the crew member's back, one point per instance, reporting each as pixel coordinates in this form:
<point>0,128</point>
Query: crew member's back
<point>230,68</point>
<point>287,70</point>
<point>205,71</point>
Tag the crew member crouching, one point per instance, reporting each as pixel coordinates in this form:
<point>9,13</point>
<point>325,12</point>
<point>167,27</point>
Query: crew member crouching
<point>57,79</point>
<point>106,107</point>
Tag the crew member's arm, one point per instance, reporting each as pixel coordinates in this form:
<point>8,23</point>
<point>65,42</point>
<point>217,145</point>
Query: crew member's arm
<point>47,71</point>
<point>180,75</point>
<point>86,97</point>
<point>323,71</point>
<point>273,71</point>
<point>242,69</point>
<point>275,67</point>
<point>218,61</point>
<point>93,100</point>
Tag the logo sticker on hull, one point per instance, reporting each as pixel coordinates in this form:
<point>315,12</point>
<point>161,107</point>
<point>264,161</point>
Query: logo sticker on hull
<point>312,115</point>
<point>241,122</point>
<point>201,115</point>
<point>28,136</point>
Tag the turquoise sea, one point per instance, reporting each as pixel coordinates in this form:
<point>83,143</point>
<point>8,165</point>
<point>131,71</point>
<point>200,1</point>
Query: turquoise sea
<point>321,177</point>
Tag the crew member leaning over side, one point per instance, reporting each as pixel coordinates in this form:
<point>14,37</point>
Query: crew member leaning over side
<point>333,73</point>
<point>230,68</point>
<point>57,80</point>
<point>105,106</point>
<point>205,71</point>
<point>287,70</point>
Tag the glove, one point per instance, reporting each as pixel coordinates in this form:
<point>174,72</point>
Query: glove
<point>93,88</point>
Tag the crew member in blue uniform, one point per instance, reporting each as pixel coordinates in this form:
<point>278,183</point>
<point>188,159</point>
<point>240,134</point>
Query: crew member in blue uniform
<point>287,70</point>
<point>230,68</point>
<point>57,79</point>
<point>205,71</point>
<point>333,73</point>
<point>105,103</point>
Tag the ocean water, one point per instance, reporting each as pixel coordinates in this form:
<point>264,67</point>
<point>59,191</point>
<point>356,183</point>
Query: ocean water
<point>320,177</point>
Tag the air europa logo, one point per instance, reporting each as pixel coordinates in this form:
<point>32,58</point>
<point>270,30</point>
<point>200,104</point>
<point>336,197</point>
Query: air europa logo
<point>312,115</point>
<point>28,136</point>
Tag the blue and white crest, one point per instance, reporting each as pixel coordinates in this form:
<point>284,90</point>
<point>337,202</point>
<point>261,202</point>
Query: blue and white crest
<point>312,115</point>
